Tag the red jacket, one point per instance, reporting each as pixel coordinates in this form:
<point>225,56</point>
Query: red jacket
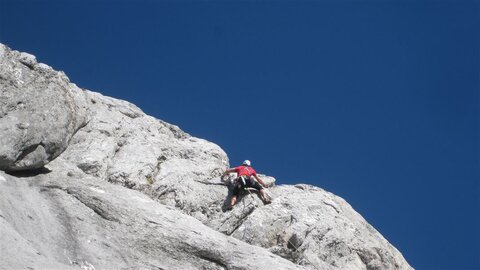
<point>245,170</point>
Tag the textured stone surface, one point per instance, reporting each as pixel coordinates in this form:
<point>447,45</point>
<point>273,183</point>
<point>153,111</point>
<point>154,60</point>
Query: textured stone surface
<point>310,226</point>
<point>123,145</point>
<point>53,220</point>
<point>134,192</point>
<point>40,110</point>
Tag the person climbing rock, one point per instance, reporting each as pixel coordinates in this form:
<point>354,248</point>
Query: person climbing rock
<point>246,176</point>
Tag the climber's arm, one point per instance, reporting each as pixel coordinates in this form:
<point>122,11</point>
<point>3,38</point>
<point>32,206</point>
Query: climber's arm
<point>231,170</point>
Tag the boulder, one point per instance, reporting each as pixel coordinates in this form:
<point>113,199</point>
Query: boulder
<point>40,110</point>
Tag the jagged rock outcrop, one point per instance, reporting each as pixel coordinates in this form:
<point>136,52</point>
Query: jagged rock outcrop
<point>134,192</point>
<point>57,221</point>
<point>40,110</point>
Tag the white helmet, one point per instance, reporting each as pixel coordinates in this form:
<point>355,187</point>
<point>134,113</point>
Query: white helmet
<point>246,162</point>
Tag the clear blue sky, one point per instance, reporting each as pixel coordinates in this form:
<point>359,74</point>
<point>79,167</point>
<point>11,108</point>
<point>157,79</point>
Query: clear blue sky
<point>375,101</point>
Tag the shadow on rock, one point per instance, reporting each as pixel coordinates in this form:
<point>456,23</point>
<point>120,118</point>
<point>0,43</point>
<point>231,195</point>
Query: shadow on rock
<point>29,173</point>
<point>226,202</point>
<point>243,194</point>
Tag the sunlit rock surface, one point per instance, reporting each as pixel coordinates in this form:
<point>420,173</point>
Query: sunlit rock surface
<point>128,191</point>
<point>40,110</point>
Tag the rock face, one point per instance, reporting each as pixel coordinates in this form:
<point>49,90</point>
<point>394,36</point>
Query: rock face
<point>40,110</point>
<point>80,222</point>
<point>133,192</point>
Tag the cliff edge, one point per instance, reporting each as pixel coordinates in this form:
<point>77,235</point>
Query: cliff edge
<point>92,182</point>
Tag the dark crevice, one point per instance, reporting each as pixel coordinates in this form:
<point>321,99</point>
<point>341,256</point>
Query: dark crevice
<point>130,114</point>
<point>212,184</point>
<point>151,266</point>
<point>29,173</point>
<point>213,260</point>
<point>363,257</point>
<point>46,187</point>
<point>151,177</point>
<point>29,150</point>
<point>83,125</point>
<point>165,191</point>
<point>31,66</point>
<point>333,206</point>
<point>241,220</point>
<point>301,187</point>
<point>154,222</point>
<point>292,219</point>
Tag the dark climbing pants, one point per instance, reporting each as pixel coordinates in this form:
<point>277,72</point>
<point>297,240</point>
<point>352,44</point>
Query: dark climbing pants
<point>247,182</point>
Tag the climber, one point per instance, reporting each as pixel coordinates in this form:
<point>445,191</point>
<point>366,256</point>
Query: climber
<point>245,179</point>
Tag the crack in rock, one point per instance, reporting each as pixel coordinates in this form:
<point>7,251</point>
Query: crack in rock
<point>333,206</point>
<point>213,260</point>
<point>211,183</point>
<point>97,208</point>
<point>241,220</point>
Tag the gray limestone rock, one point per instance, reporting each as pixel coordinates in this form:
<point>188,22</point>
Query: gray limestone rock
<point>56,221</point>
<point>304,224</point>
<point>40,110</point>
<point>134,192</point>
<point>310,226</point>
<point>123,145</point>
